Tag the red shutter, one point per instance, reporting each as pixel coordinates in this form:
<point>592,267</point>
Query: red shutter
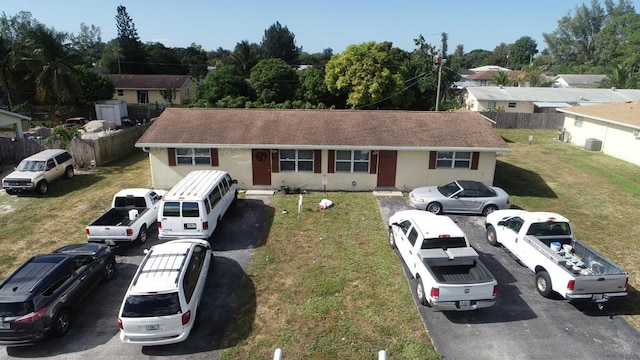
<point>474,160</point>
<point>432,159</point>
<point>172,156</point>
<point>214,157</point>
<point>373,163</point>
<point>317,161</point>
<point>331,168</point>
<point>275,161</point>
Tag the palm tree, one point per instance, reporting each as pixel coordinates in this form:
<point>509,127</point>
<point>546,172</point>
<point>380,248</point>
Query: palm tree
<point>501,78</point>
<point>7,69</point>
<point>55,80</point>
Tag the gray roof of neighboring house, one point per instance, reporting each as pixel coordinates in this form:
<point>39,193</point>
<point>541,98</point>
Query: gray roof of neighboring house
<point>145,81</point>
<point>568,95</point>
<point>626,113</point>
<point>581,79</point>
<point>328,129</point>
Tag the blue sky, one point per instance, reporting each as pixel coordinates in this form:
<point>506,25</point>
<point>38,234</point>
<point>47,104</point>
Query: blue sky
<point>322,24</point>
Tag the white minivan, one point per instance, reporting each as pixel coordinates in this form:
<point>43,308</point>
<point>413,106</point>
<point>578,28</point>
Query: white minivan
<point>196,204</point>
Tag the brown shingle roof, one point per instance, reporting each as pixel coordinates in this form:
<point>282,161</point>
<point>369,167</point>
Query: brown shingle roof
<point>624,113</point>
<point>139,81</point>
<point>245,128</point>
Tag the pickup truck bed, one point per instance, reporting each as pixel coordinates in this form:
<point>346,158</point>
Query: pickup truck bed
<point>117,217</point>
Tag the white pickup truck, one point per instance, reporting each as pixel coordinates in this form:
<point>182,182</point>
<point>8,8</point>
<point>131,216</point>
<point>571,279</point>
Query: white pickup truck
<point>447,270</point>
<point>133,212</point>
<point>544,243</point>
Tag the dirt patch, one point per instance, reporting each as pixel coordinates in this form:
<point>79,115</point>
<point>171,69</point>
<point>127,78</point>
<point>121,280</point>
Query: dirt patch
<point>5,209</point>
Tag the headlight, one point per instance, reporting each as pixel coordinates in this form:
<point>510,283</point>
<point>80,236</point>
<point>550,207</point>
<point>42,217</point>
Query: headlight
<point>420,200</point>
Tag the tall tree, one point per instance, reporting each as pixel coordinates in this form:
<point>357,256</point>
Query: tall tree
<point>278,42</point>
<point>273,81</point>
<point>133,57</point>
<point>88,43</point>
<point>521,52</point>
<point>311,86</point>
<point>7,70</point>
<point>245,56</point>
<point>619,43</point>
<point>501,78</point>
<point>222,82</point>
<point>365,74</point>
<point>54,77</point>
<point>93,86</point>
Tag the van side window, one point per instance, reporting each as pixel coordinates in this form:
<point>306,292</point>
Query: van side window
<point>215,196</point>
<point>190,209</point>
<point>207,206</point>
<point>192,273</point>
<point>224,185</point>
<point>171,209</point>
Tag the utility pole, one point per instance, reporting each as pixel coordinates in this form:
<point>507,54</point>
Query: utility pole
<point>440,60</point>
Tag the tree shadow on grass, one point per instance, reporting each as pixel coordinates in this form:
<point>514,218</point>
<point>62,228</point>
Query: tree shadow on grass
<point>518,181</point>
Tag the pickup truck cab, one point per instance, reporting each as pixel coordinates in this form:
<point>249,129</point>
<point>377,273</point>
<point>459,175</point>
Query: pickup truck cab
<point>37,171</point>
<point>133,212</point>
<point>544,243</point>
<point>447,270</point>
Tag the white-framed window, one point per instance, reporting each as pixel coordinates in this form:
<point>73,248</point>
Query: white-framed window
<point>120,92</point>
<point>352,161</point>
<point>577,123</point>
<point>296,160</point>
<point>512,104</point>
<point>453,160</point>
<point>193,156</point>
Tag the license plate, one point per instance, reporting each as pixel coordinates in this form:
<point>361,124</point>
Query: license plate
<point>596,297</point>
<point>465,303</point>
<point>110,242</point>
<point>153,327</point>
<point>5,326</point>
<point>190,226</point>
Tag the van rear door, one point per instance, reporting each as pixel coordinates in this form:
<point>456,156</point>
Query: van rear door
<point>180,219</point>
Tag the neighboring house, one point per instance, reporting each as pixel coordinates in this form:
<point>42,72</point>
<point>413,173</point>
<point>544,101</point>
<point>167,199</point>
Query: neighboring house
<point>615,127</point>
<point>483,76</point>
<point>578,81</point>
<point>153,89</point>
<point>538,100</point>
<point>8,118</point>
<point>342,149</point>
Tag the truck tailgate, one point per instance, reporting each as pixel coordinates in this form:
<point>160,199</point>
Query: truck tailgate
<point>457,292</point>
<point>599,284</point>
<point>104,232</point>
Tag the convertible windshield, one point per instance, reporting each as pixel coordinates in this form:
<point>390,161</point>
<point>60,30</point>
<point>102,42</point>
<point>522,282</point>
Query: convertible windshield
<point>449,189</point>
<point>31,165</point>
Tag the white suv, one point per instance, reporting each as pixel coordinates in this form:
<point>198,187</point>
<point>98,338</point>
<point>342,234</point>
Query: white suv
<point>38,170</point>
<point>161,304</point>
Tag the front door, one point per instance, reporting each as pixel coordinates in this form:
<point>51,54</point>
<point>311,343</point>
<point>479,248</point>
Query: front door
<point>261,166</point>
<point>387,168</point>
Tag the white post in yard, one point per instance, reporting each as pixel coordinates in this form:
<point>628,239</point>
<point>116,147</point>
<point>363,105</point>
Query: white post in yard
<point>382,355</point>
<point>300,204</point>
<point>277,355</point>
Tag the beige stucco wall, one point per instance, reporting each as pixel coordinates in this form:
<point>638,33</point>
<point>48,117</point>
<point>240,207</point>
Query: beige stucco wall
<point>472,103</point>
<point>617,140</point>
<point>411,171</point>
<point>183,95</point>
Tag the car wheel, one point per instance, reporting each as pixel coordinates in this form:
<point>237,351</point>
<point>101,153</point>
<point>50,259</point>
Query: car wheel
<point>11,192</point>
<point>492,238</point>
<point>489,209</point>
<point>61,323</point>
<point>543,283</point>
<point>435,208</point>
<point>68,173</point>
<point>422,297</point>
<point>392,238</point>
<point>142,236</point>
<point>42,187</point>
<point>109,270</point>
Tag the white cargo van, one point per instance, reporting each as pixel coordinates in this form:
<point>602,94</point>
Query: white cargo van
<point>196,204</point>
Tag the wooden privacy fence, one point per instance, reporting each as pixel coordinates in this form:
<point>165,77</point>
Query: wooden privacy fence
<point>526,121</point>
<point>85,151</point>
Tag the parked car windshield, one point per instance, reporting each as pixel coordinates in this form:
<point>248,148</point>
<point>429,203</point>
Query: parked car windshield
<point>449,189</point>
<point>151,305</point>
<point>444,243</point>
<point>16,309</point>
<point>31,165</point>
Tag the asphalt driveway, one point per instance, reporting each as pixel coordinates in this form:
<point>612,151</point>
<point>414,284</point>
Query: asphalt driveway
<point>522,324</point>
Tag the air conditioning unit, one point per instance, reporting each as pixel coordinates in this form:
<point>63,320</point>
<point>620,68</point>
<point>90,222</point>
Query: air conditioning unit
<point>593,144</point>
<point>636,134</point>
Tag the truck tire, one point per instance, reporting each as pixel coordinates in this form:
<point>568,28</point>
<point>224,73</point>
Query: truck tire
<point>42,187</point>
<point>422,296</point>
<point>434,207</point>
<point>142,235</point>
<point>61,323</point>
<point>392,239</point>
<point>68,172</point>
<point>492,238</point>
<point>543,283</point>
<point>489,209</point>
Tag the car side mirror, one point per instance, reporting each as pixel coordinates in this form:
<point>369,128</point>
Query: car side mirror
<point>234,181</point>
<point>501,223</point>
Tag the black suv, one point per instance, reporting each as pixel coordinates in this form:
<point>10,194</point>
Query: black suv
<point>37,298</point>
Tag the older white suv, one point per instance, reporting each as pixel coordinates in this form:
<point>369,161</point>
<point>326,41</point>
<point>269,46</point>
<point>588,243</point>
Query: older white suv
<point>162,302</point>
<point>35,172</point>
